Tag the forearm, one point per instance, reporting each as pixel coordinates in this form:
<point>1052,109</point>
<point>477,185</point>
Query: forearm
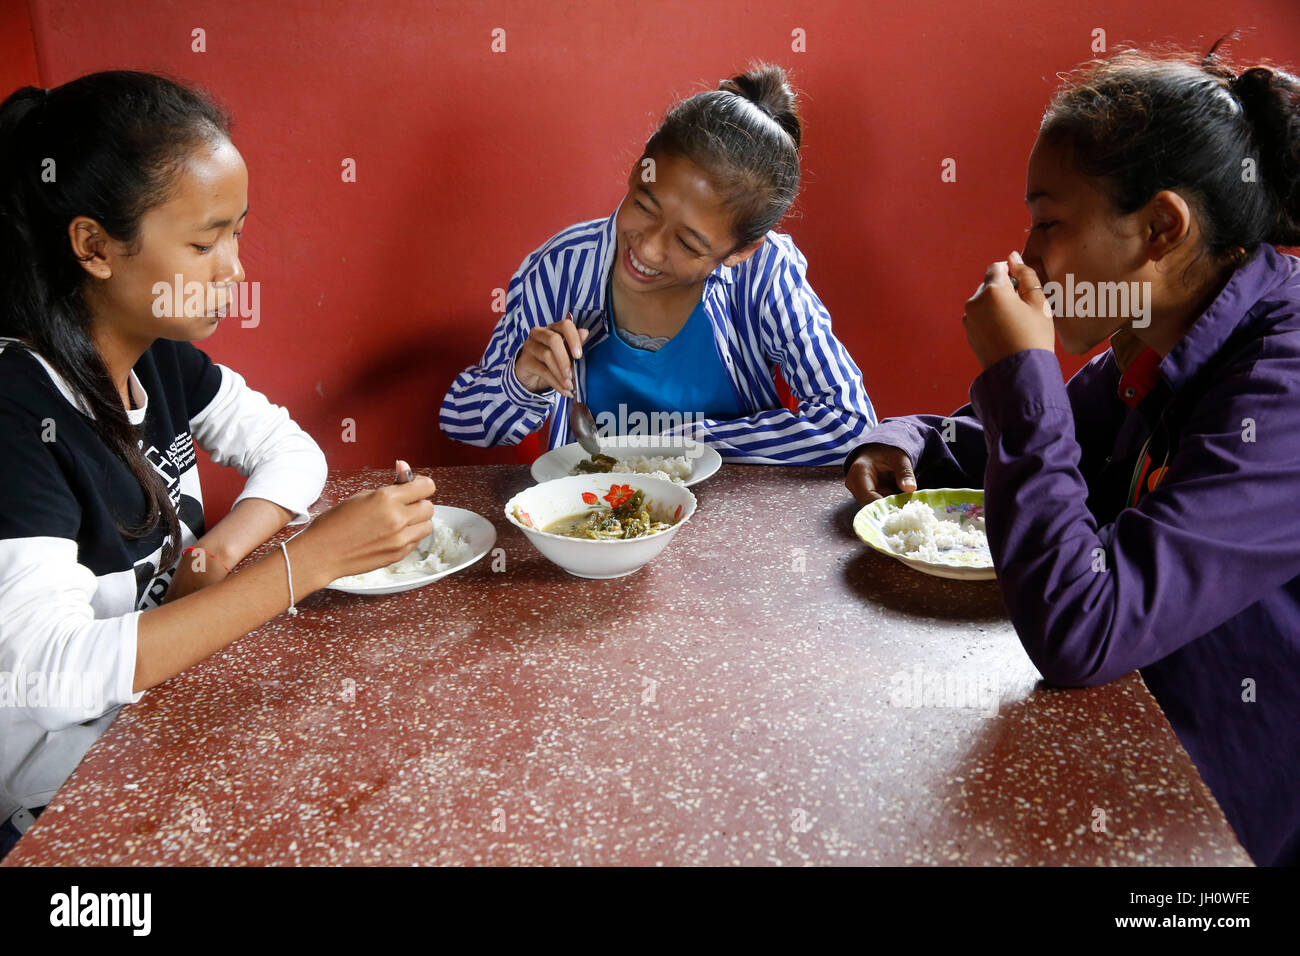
<point>249,523</point>
<point>487,406</point>
<point>175,636</point>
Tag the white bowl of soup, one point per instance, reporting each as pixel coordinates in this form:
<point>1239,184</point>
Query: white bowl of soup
<point>601,526</point>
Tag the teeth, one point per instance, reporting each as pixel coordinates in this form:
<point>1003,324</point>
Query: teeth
<point>643,269</point>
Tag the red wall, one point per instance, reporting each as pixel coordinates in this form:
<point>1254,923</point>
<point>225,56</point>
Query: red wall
<point>375,294</point>
<point>17,47</point>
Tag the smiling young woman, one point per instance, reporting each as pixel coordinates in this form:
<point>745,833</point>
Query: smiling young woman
<point>681,304</point>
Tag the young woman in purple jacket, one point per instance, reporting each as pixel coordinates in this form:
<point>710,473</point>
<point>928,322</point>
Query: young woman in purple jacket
<point>1144,515</point>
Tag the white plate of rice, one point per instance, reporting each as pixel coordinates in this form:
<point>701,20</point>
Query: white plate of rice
<point>459,539</point>
<point>684,461</point>
<point>939,531</point>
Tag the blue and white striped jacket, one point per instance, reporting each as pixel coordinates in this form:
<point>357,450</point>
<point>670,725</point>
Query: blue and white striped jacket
<point>764,316</point>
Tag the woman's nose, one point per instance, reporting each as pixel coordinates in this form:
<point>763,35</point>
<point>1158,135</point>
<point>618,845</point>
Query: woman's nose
<point>1033,260</point>
<point>231,273</point>
<point>652,246</point>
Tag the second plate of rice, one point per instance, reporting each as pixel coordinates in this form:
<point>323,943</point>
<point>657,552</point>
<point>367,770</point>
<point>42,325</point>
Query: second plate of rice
<point>684,461</point>
<point>938,531</point>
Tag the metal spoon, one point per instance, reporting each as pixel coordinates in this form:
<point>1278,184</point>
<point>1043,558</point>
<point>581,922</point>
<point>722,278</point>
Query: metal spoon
<point>581,421</point>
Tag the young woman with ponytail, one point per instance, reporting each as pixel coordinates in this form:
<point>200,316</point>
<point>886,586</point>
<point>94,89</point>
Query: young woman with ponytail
<point>110,579</point>
<point>1142,516</point>
<point>682,303</point>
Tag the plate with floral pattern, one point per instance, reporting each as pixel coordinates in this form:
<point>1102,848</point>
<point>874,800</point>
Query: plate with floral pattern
<point>963,507</point>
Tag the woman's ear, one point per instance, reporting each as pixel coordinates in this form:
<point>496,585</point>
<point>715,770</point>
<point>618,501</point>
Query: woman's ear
<point>89,245</point>
<point>740,255</point>
<point>1168,222</point>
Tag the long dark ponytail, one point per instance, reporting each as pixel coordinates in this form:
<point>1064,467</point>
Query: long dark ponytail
<point>106,146</point>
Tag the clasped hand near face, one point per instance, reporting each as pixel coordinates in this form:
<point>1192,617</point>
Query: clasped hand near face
<point>1005,317</point>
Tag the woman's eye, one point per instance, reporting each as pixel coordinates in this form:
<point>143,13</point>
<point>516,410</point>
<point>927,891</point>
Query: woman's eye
<point>204,250</point>
<point>1044,226</point>
<point>641,207</point>
<point>686,247</point>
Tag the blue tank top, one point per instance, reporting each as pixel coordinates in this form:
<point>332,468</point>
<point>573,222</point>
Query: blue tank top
<point>685,375</point>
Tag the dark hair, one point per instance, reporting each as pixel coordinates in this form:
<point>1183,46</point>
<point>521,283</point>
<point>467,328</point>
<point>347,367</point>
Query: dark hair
<point>745,137</point>
<point>114,142</point>
<point>1228,143</point>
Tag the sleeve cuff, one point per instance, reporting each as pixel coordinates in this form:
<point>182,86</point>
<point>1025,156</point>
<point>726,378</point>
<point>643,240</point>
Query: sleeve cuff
<point>131,632</point>
<point>895,432</point>
<point>516,394</point>
<point>293,481</point>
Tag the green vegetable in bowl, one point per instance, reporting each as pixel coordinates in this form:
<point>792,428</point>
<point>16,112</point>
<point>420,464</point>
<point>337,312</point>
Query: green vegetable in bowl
<point>595,465</point>
<point>627,517</point>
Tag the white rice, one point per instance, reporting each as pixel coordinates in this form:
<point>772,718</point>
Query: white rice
<point>676,468</point>
<point>915,531</point>
<point>449,549</point>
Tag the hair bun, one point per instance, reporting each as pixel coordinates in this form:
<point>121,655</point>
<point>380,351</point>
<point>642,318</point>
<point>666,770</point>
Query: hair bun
<point>1270,100</point>
<point>1253,88</point>
<point>766,86</point>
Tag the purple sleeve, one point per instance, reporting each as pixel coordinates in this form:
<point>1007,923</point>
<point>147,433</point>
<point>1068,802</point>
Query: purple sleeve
<point>949,452</point>
<point>1212,539</point>
<point>945,452</point>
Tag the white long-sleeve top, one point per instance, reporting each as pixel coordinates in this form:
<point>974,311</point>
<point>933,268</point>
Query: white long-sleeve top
<point>72,585</point>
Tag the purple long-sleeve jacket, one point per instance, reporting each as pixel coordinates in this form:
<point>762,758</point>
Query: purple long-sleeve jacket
<point>1198,583</point>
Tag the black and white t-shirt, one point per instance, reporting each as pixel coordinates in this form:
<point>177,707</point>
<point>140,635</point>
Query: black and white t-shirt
<point>72,586</point>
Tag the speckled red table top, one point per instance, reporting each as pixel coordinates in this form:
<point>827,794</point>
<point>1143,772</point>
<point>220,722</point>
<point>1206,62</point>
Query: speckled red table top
<point>766,691</point>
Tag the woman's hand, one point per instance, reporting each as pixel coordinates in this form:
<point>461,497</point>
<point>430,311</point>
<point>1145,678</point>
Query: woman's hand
<point>370,530</point>
<point>1002,319</point>
<point>197,569</point>
<point>878,472</point>
<point>543,362</point>
<point>365,532</point>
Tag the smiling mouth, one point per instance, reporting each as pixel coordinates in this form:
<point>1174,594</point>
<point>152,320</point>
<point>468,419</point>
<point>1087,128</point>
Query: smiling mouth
<point>640,268</point>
